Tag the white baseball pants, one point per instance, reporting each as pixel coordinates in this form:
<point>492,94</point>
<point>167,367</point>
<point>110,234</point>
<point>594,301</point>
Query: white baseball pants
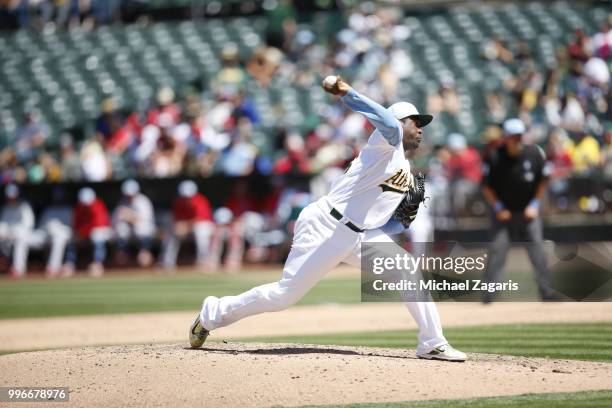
<point>17,238</point>
<point>320,243</point>
<point>59,236</point>
<point>202,231</point>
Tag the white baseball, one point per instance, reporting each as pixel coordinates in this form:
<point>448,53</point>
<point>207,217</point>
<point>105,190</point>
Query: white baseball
<point>330,80</point>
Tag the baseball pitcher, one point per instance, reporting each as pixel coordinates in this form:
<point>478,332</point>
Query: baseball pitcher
<point>377,185</point>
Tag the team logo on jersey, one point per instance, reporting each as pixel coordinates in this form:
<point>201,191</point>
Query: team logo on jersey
<point>398,183</point>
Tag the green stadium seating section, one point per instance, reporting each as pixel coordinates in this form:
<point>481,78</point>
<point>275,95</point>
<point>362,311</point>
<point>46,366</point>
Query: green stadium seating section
<point>65,75</point>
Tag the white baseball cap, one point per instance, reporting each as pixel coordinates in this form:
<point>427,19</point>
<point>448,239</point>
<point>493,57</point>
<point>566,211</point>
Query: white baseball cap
<point>11,191</point>
<point>456,141</point>
<point>514,126</point>
<point>130,187</point>
<point>223,215</point>
<point>87,195</point>
<point>402,110</point>
<point>187,188</point>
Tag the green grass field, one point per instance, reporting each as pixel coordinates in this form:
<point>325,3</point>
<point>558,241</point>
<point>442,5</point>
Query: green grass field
<point>125,293</point>
<point>146,293</point>
<point>591,399</point>
<point>580,341</point>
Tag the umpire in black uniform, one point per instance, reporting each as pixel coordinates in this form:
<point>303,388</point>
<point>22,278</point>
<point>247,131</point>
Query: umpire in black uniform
<point>514,183</point>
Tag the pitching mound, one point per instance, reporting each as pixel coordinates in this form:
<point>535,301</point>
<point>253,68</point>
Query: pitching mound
<point>261,375</point>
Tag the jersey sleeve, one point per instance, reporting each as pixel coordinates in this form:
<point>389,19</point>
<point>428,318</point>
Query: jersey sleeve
<point>393,227</point>
<point>488,169</point>
<point>203,210</point>
<point>101,216</point>
<point>145,209</point>
<point>27,215</point>
<point>543,163</point>
<point>180,211</point>
<point>379,117</point>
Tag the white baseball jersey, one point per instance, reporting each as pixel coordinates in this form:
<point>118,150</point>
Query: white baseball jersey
<point>378,179</point>
<point>141,205</point>
<point>17,215</point>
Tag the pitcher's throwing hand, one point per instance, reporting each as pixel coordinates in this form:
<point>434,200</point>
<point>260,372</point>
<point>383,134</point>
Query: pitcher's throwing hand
<point>335,85</point>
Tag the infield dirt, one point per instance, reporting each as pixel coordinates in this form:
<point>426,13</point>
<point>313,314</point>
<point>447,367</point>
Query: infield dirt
<point>263,375</point>
<point>72,331</point>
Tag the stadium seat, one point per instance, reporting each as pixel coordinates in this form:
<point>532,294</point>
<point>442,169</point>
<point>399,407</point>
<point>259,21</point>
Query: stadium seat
<point>65,75</point>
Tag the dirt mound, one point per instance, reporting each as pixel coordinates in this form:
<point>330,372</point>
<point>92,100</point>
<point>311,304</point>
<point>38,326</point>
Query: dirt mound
<point>136,328</point>
<point>262,375</point>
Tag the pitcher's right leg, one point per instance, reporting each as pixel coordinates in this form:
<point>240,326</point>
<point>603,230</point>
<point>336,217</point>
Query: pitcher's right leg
<point>432,343</point>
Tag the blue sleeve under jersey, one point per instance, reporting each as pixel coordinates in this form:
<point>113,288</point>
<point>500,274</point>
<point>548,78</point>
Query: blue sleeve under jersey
<point>393,227</point>
<point>379,117</point>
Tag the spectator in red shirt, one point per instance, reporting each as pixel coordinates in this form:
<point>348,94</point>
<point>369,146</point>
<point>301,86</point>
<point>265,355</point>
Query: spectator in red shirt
<point>90,222</point>
<point>464,171</point>
<point>295,161</point>
<point>276,208</point>
<point>191,214</point>
<point>167,112</point>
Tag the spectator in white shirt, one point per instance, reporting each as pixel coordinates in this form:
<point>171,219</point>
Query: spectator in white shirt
<point>55,228</point>
<point>16,224</point>
<point>134,218</point>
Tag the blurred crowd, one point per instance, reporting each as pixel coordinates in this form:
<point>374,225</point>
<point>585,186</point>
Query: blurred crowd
<point>60,14</point>
<point>567,110</point>
<point>70,234</point>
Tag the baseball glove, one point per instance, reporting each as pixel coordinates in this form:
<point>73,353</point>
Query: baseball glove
<point>408,208</point>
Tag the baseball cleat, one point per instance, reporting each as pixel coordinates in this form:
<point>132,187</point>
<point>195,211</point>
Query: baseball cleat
<point>445,352</point>
<point>197,333</point>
